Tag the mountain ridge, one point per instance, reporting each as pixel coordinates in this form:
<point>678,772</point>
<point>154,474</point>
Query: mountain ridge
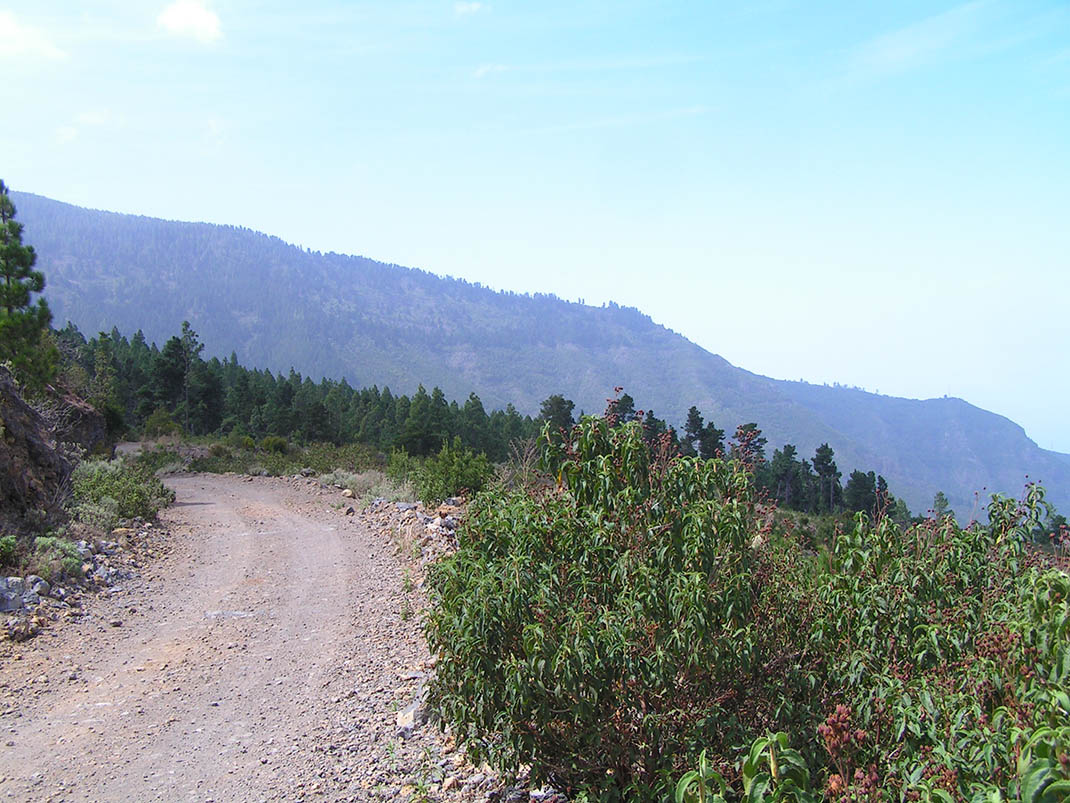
<point>279,306</point>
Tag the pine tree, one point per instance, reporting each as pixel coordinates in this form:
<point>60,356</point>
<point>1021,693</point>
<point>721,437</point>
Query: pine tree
<point>622,409</point>
<point>829,494</point>
<point>693,429</point>
<point>557,411</point>
<point>941,507</point>
<point>711,442</point>
<point>23,324</point>
<point>860,492</point>
<point>785,476</point>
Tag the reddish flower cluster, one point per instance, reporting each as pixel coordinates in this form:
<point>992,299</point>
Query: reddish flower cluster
<point>842,741</point>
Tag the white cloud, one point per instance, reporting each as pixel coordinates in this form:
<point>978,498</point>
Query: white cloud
<point>469,8</point>
<point>921,43</point>
<point>99,117</point>
<point>191,18</point>
<point>483,70</point>
<point>19,41</point>
<point>66,133</point>
<point>215,130</point>
<point>91,119</point>
<point>626,121</point>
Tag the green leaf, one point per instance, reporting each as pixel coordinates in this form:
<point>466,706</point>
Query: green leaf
<point>1058,792</point>
<point>684,784</point>
<point>759,786</point>
<point>1036,780</point>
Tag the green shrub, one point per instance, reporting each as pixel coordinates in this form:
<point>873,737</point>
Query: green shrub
<point>455,469</point>
<point>277,458</point>
<point>772,772</point>
<point>274,443</point>
<point>56,556</point>
<point>236,440</point>
<point>607,624</point>
<point>103,492</point>
<point>159,458</point>
<point>604,631</point>
<point>102,514</point>
<point>324,457</point>
<point>402,466</point>
<point>160,422</point>
<point>8,550</point>
<point>948,652</point>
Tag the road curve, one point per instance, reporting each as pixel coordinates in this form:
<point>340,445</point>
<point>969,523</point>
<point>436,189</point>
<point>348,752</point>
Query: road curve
<point>263,659</point>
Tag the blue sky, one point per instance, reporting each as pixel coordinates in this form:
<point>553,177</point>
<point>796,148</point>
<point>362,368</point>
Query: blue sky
<point>871,194</point>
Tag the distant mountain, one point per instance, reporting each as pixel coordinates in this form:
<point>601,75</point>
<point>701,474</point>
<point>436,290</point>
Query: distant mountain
<point>278,306</point>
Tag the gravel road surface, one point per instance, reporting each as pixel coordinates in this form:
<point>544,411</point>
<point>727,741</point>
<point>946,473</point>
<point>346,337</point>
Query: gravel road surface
<point>263,658</point>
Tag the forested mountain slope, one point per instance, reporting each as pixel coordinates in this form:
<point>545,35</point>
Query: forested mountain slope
<point>278,306</point>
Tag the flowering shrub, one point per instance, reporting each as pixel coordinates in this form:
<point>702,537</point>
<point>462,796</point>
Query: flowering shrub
<point>636,609</point>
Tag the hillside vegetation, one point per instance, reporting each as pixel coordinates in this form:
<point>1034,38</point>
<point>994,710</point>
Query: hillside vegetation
<point>633,614</point>
<point>172,390</point>
<point>279,307</point>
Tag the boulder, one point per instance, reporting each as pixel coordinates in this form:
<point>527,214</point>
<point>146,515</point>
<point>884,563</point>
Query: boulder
<point>39,585</point>
<point>11,589</point>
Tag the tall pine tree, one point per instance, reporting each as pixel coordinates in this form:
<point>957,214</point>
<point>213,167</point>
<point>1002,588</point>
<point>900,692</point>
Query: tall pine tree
<point>23,324</point>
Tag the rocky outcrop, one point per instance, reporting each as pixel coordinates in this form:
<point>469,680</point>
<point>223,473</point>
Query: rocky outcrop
<point>75,421</point>
<point>33,473</point>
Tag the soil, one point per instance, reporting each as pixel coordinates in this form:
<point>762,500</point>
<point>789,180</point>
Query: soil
<point>264,657</point>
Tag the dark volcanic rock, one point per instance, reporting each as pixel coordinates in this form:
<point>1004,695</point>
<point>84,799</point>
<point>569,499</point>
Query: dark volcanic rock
<point>73,420</point>
<point>33,474</point>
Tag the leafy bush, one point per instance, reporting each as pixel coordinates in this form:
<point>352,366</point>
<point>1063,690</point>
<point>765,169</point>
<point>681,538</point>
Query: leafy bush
<point>772,773</point>
<point>402,466</point>
<point>160,458</point>
<point>8,550</point>
<point>274,443</point>
<point>324,457</point>
<point>605,630</point>
<point>104,492</point>
<point>949,653</point>
<point>102,514</point>
<point>160,422</point>
<point>609,623</point>
<point>453,470</point>
<point>56,556</point>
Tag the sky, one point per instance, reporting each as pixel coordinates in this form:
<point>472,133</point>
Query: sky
<point>874,194</point>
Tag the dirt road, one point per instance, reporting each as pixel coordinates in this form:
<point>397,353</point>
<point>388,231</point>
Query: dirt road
<point>263,659</point>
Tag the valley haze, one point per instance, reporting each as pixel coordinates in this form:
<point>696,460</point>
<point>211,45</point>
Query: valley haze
<point>280,307</point>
